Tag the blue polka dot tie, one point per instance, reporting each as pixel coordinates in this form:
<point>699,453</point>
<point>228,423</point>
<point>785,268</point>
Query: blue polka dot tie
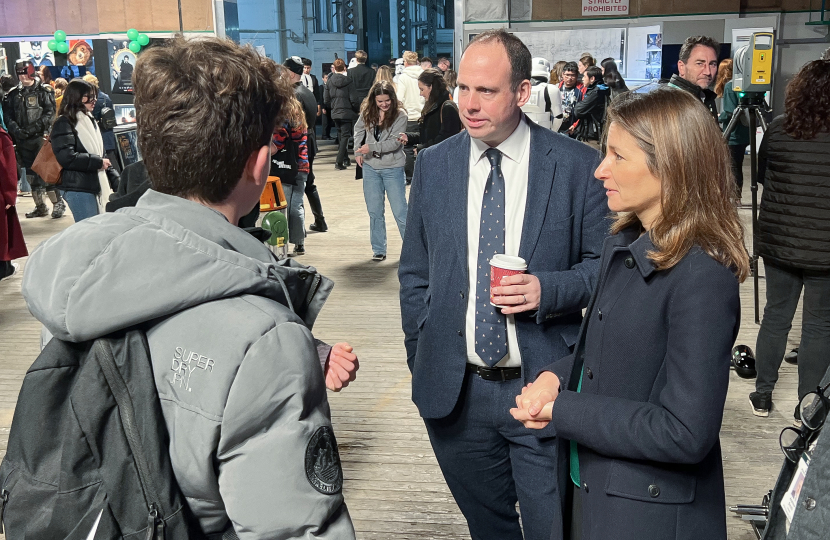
<point>491,329</point>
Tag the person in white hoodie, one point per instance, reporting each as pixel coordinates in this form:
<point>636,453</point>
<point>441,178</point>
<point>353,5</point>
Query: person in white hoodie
<point>410,95</point>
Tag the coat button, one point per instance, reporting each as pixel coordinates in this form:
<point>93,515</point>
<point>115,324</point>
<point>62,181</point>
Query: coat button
<point>460,333</point>
<point>653,490</point>
<point>809,504</point>
<point>590,373</point>
<point>462,294</point>
<point>629,262</point>
<point>585,486</point>
<point>599,312</point>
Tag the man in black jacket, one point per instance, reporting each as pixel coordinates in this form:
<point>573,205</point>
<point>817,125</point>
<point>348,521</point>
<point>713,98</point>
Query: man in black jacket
<point>296,68</point>
<point>591,110</point>
<point>29,109</point>
<point>698,67</point>
<point>362,76</point>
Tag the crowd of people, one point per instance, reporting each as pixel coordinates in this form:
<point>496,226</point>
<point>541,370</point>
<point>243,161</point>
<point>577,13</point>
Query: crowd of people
<point>531,388</point>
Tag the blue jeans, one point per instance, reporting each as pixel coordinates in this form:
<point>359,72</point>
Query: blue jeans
<point>82,204</point>
<point>376,182</point>
<point>23,183</point>
<point>296,212</point>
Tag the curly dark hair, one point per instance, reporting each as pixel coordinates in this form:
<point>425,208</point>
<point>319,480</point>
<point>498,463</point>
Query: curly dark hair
<point>807,101</point>
<point>692,42</point>
<point>203,107</point>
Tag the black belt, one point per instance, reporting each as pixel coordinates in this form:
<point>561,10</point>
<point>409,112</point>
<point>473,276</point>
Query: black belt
<point>495,373</point>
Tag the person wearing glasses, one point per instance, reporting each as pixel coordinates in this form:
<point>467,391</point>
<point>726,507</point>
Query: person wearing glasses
<point>640,400</point>
<point>79,148</point>
<point>29,109</point>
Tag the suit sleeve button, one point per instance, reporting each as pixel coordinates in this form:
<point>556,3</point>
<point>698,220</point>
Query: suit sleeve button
<point>654,491</point>
<point>599,314</point>
<point>585,486</point>
<point>462,294</point>
<point>629,262</point>
<point>460,333</point>
<point>590,373</point>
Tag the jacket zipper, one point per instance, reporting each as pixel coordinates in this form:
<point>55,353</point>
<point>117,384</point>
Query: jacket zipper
<point>315,284</point>
<point>155,521</point>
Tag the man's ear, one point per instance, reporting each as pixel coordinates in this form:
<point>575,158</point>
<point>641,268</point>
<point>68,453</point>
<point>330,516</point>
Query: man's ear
<point>523,92</point>
<point>258,166</point>
<point>681,68</point>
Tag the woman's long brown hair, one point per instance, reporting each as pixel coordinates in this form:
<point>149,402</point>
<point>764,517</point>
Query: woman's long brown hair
<point>724,75</point>
<point>685,150</point>
<point>370,111</point>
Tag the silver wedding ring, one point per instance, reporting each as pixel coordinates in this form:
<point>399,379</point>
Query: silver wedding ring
<point>525,299</point>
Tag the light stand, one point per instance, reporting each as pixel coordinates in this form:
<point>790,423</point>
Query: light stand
<point>750,104</point>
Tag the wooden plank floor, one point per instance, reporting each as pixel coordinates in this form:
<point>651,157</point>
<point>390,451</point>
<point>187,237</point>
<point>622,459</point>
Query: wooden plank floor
<point>393,486</point>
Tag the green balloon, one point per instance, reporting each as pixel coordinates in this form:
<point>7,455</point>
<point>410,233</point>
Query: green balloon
<point>135,47</point>
<point>63,47</point>
<point>53,45</point>
<point>277,224</point>
<point>60,35</point>
<point>132,34</point>
<point>143,39</point>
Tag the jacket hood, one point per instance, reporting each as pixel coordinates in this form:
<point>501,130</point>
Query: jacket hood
<point>167,254</point>
<point>339,80</point>
<point>412,71</point>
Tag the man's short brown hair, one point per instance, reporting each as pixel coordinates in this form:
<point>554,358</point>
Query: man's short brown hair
<point>203,107</point>
<point>692,42</point>
<point>517,53</point>
<point>361,57</point>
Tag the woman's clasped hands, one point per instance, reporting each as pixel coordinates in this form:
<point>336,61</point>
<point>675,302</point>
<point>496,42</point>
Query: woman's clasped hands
<point>535,404</point>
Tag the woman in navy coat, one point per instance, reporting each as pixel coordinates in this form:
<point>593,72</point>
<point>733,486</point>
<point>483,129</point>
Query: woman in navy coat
<point>640,401</point>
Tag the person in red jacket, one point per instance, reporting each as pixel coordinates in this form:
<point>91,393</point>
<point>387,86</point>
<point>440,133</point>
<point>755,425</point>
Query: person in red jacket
<point>12,245</point>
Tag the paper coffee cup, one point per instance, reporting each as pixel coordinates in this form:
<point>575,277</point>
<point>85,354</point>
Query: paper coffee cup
<point>504,265</point>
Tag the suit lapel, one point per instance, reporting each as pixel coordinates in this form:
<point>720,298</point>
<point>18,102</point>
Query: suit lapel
<point>542,168</point>
<point>458,179</point>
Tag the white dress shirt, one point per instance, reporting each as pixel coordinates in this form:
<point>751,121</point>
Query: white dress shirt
<point>514,167</point>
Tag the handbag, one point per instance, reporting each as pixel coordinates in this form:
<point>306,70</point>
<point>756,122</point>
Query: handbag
<point>46,164</point>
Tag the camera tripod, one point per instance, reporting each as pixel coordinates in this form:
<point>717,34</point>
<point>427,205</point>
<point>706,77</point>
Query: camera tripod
<point>750,106</point>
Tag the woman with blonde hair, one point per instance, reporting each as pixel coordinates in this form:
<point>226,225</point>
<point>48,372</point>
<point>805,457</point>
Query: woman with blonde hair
<point>641,398</point>
<point>382,118</point>
<point>385,73</point>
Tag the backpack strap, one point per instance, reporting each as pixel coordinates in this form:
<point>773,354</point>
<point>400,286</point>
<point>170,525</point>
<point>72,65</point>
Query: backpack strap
<point>547,100</point>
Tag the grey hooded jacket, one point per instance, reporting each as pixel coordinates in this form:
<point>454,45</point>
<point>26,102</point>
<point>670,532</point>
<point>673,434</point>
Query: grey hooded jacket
<point>234,360</point>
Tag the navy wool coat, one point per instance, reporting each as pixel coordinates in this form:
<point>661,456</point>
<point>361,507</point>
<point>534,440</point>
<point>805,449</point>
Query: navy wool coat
<point>653,355</point>
<point>564,225</point>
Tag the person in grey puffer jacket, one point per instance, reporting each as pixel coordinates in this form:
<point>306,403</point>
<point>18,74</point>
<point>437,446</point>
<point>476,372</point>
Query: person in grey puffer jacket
<point>237,369</point>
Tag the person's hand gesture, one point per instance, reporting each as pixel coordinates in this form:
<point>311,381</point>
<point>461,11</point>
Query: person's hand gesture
<point>341,367</point>
<point>535,404</point>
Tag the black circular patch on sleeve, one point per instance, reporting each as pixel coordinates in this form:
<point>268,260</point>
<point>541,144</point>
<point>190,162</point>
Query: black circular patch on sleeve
<point>322,462</point>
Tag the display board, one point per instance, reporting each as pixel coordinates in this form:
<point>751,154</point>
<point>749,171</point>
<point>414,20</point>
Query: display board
<point>122,63</point>
<point>569,45</point>
<point>126,140</point>
<point>645,52</point>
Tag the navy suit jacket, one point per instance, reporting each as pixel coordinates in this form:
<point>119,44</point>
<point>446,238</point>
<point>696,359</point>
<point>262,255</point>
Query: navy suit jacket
<point>564,226</point>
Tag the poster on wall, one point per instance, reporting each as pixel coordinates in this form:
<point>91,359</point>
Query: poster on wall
<point>37,53</point>
<point>124,114</point>
<point>644,53</point>
<point>80,54</point>
<point>127,141</point>
<point>122,63</point>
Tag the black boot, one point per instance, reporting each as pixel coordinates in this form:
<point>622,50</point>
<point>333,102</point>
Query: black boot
<point>40,210</point>
<point>319,225</point>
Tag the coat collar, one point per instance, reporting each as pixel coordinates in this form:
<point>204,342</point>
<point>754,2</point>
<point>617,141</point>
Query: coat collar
<point>639,245</point>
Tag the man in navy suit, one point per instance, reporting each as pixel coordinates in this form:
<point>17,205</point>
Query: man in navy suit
<point>505,185</point>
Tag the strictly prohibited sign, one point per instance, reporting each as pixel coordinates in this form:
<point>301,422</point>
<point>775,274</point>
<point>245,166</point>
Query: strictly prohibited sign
<point>592,8</point>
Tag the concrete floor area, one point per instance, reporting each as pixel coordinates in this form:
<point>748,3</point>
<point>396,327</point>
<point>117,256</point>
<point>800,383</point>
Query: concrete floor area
<point>393,486</point>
